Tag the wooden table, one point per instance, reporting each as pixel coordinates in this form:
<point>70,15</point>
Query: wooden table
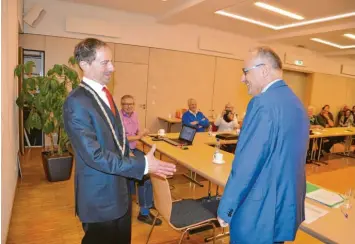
<point>331,228</point>
<point>172,121</point>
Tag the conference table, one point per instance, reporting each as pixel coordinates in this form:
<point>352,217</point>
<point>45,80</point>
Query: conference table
<point>330,228</point>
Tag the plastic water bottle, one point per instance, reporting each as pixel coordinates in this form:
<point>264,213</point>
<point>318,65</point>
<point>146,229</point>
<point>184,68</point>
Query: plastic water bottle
<point>218,146</point>
<point>210,130</point>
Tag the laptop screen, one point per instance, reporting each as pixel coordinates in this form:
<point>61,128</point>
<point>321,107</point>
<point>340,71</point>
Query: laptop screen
<point>187,133</point>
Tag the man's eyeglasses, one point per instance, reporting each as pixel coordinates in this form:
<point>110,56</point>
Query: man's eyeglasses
<point>127,104</point>
<point>246,70</point>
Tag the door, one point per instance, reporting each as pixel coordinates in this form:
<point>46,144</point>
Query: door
<point>131,79</point>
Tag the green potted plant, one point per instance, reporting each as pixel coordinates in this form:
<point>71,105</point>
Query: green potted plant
<point>43,97</point>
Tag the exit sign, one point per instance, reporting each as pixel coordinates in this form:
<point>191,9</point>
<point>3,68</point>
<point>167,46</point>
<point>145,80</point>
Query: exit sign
<point>298,62</point>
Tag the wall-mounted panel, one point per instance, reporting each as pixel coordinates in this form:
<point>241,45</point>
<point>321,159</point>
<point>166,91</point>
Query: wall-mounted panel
<point>228,86</point>
<point>131,54</point>
<point>297,81</point>
<point>173,78</point>
<point>34,42</point>
<point>92,26</point>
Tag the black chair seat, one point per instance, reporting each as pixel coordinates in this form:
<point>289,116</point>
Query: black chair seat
<point>188,212</point>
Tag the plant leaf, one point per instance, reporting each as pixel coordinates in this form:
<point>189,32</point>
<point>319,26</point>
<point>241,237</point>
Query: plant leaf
<point>28,67</point>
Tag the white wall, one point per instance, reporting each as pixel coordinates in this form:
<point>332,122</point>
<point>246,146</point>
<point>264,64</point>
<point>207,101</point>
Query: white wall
<point>143,30</point>
<point>9,111</point>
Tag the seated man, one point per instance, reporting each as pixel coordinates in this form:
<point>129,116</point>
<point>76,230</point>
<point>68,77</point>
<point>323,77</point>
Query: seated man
<point>313,125</point>
<point>342,113</point>
<point>227,121</point>
<point>325,119</point>
<point>145,190</point>
<point>195,118</point>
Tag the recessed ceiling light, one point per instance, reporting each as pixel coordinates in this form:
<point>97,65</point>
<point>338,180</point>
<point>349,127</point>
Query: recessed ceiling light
<point>278,10</point>
<point>280,27</point>
<point>351,36</point>
<point>332,43</point>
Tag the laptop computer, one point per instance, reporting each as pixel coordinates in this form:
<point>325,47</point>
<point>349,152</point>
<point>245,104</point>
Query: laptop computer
<point>186,137</point>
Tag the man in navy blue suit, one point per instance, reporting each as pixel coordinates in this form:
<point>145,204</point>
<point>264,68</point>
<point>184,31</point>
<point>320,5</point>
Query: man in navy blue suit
<point>102,155</point>
<point>263,201</point>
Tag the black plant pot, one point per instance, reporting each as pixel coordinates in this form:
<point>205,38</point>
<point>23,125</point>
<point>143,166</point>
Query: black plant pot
<point>57,168</point>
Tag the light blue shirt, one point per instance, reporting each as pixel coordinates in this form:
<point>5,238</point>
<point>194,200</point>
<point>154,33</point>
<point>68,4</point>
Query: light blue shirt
<point>270,84</point>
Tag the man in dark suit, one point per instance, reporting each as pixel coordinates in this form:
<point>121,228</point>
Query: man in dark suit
<point>263,201</point>
<point>102,154</point>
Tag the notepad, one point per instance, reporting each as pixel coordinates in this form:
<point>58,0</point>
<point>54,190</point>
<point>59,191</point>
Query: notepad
<point>325,197</point>
<point>313,213</point>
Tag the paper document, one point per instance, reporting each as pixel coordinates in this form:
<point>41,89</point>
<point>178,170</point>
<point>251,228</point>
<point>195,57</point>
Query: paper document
<point>313,213</point>
<point>317,133</point>
<point>325,197</point>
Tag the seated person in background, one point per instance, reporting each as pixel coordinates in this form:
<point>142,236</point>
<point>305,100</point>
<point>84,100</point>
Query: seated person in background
<point>227,120</point>
<point>330,115</point>
<point>353,111</point>
<point>145,189</point>
<point>325,118</point>
<point>342,113</point>
<point>347,119</point>
<point>313,119</point>
<point>195,118</point>
<point>313,125</point>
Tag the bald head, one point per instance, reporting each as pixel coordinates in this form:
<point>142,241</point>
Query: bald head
<point>261,66</point>
<point>192,105</point>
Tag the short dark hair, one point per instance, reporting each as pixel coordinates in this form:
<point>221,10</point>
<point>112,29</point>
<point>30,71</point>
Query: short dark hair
<point>271,55</point>
<point>86,49</point>
<point>126,97</point>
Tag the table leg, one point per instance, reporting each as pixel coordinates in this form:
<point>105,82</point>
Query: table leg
<point>169,127</point>
<point>320,150</point>
<point>193,180</point>
<point>347,147</point>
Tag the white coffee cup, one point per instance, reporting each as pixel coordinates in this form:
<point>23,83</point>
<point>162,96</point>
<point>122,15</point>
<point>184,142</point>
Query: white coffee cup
<point>161,132</point>
<point>218,157</point>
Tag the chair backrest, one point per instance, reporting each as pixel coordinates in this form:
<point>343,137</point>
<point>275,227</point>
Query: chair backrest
<point>162,196</point>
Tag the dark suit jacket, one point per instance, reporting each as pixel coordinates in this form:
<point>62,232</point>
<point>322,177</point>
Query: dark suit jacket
<point>263,200</point>
<point>101,192</point>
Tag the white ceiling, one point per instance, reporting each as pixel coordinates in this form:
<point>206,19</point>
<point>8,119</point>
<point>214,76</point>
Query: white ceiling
<point>202,12</point>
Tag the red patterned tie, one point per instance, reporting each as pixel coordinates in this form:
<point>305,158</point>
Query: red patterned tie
<point>110,100</point>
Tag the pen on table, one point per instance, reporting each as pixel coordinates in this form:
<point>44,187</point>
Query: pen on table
<point>345,214</point>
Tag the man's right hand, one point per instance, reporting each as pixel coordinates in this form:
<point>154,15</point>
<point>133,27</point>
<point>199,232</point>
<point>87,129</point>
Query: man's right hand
<point>158,167</point>
<point>194,123</point>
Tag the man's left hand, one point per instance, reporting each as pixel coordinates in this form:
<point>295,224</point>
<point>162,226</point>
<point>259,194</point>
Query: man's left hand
<point>222,222</point>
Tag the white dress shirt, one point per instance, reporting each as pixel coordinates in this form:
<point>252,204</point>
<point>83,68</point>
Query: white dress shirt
<point>270,84</point>
<point>97,87</point>
<point>226,126</point>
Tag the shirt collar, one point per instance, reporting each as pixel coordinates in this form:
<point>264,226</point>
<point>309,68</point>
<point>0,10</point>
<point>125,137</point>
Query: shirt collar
<point>193,112</point>
<point>96,86</point>
<point>126,114</point>
<point>270,84</point>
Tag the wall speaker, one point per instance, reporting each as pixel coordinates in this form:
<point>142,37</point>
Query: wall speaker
<point>34,15</point>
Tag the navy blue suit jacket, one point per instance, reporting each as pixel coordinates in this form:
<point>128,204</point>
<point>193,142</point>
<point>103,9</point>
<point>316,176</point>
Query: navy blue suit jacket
<point>263,200</point>
<point>101,171</point>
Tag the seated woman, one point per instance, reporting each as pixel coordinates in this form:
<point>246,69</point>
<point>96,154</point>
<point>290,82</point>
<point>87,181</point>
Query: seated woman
<point>347,119</point>
<point>227,122</point>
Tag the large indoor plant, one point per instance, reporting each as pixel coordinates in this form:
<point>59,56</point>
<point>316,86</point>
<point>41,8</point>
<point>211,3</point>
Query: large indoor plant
<point>43,97</point>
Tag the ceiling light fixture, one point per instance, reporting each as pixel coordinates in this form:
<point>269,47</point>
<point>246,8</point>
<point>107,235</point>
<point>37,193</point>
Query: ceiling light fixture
<point>278,10</point>
<point>332,43</point>
<point>351,36</point>
<point>280,27</point>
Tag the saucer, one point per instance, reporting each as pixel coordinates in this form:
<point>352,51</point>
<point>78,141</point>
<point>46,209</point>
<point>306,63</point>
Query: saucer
<point>218,162</point>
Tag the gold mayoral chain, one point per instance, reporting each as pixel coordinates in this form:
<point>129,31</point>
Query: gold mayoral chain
<point>122,148</point>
